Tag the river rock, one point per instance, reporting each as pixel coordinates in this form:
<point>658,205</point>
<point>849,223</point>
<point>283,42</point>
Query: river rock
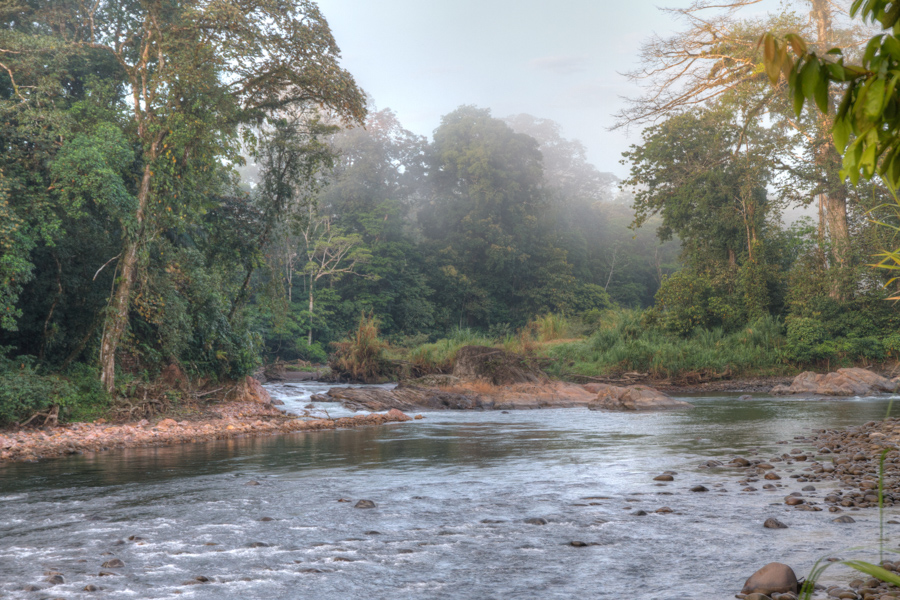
<point>56,580</point>
<point>90,588</point>
<point>772,578</point>
<point>495,365</point>
<point>114,563</point>
<point>773,523</point>
<point>364,504</point>
<point>699,488</point>
<point>843,382</point>
<point>635,397</point>
<point>536,521</point>
<point>664,477</point>
<point>844,519</point>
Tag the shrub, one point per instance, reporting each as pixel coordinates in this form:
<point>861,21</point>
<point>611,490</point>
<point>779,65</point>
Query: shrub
<point>361,356</point>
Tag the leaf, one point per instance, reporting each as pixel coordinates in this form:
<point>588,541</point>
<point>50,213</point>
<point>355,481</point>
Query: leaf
<point>875,99</point>
<point>809,77</point>
<point>845,102</point>
<point>771,54</point>
<point>841,133</point>
<point>821,94</point>
<point>797,44</point>
<point>873,570</point>
<point>892,46</point>
<point>837,71</point>
<point>871,48</point>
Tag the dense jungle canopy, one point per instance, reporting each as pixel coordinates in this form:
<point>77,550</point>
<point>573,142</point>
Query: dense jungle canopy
<point>202,184</point>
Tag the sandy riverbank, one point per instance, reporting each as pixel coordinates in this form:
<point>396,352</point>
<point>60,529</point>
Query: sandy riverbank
<point>220,421</point>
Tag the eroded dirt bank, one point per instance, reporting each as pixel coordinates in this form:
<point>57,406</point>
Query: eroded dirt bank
<point>220,421</point>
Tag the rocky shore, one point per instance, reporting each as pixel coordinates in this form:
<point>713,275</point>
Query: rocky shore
<point>847,463</point>
<point>222,421</point>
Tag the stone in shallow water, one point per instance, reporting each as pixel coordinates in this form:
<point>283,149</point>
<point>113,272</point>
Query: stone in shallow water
<point>536,521</point>
<point>699,488</point>
<point>664,477</point>
<point>773,523</point>
<point>772,578</point>
<point>364,504</point>
<point>844,519</point>
<point>114,563</point>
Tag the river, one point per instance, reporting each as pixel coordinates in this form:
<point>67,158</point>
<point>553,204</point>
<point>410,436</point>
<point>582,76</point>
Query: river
<point>274,517</point>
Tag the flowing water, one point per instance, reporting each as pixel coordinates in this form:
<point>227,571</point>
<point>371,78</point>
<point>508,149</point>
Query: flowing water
<point>452,493</point>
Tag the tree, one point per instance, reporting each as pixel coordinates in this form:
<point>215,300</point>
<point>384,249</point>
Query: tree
<point>330,253</point>
<point>716,59</point>
<point>867,122</point>
<point>484,219</point>
<point>196,72</point>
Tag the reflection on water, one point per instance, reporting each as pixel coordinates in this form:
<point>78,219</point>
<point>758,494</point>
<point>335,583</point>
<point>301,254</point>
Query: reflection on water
<point>197,508</point>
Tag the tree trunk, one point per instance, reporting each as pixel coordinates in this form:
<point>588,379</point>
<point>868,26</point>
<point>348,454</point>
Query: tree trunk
<point>832,199</point>
<point>117,316</point>
<point>309,338</point>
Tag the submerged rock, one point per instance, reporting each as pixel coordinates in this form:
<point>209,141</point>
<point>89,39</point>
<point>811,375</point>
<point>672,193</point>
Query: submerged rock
<point>364,504</point>
<point>772,578</point>
<point>843,382</point>
<point>635,397</point>
<point>773,523</point>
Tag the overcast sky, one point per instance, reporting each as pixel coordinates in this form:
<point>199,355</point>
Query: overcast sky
<point>559,60</point>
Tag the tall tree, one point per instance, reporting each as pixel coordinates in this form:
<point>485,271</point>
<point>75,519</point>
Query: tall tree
<point>716,57</point>
<point>196,71</point>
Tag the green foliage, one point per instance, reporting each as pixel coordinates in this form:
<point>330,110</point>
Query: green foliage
<point>24,391</point>
<point>623,345</point>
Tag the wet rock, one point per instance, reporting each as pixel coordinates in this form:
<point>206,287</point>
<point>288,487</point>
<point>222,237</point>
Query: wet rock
<point>844,519</point>
<point>578,544</point>
<point>254,482</point>
<point>757,597</point>
<point>699,488</point>
<point>258,545</point>
<point>202,578</point>
<point>709,464</point>
<point>808,488</point>
<point>536,521</point>
<point>639,513</point>
<point>31,588</point>
<point>115,563</point>
<point>398,415</point>
<point>106,574</point>
<point>793,501</point>
<point>773,523</point>
<point>56,580</point>
<point>745,397</point>
<point>772,476</point>
<point>844,382</point>
<point>772,578</point>
<point>635,398</point>
<point>664,477</point>
<point>664,510</point>
<point>90,588</point>
<point>266,519</point>
<point>364,504</point>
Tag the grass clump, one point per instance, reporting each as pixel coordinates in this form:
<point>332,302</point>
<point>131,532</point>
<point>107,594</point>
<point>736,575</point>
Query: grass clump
<point>361,357</point>
<point>440,356</point>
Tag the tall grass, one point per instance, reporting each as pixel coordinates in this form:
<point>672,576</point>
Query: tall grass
<point>439,356</point>
<point>361,356</point>
<point>621,345</point>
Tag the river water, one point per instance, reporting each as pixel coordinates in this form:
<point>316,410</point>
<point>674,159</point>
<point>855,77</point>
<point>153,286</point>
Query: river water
<point>452,492</point>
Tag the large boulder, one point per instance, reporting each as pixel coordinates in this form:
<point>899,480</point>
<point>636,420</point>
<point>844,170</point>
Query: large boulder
<point>844,382</point>
<point>634,397</point>
<point>495,366</point>
<point>771,579</point>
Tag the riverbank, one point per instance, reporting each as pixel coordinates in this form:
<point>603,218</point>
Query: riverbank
<point>229,419</point>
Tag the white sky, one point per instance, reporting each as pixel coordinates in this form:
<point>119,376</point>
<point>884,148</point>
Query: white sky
<point>559,60</point>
